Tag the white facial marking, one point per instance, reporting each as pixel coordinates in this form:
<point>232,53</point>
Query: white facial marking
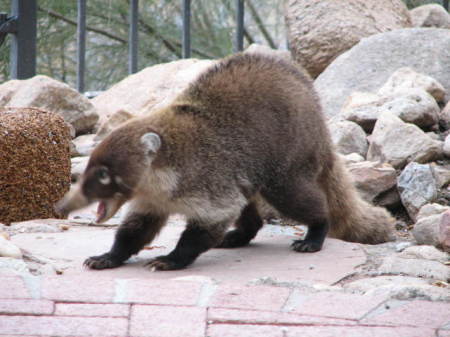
<point>105,180</point>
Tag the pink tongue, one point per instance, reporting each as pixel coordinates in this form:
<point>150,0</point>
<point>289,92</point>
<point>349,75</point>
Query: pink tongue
<point>101,211</point>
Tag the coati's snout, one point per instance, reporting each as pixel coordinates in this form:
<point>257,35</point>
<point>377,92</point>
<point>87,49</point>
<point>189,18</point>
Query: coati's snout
<point>106,180</point>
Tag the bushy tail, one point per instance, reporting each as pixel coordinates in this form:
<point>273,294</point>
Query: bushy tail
<point>352,218</point>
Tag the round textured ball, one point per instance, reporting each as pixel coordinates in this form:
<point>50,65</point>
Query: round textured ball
<point>34,163</point>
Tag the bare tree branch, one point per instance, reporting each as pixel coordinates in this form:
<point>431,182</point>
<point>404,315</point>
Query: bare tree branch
<point>260,24</point>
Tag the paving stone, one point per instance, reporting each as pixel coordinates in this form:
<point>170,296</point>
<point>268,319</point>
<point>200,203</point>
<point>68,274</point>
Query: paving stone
<point>332,304</point>
<point>413,313</point>
<point>157,292</point>
<point>32,307</point>
<point>167,321</point>
<point>98,310</point>
<point>13,287</point>
<point>231,330</point>
<point>360,331</point>
<point>444,333</point>
<point>80,288</point>
<point>235,316</point>
<point>250,297</point>
<point>63,326</point>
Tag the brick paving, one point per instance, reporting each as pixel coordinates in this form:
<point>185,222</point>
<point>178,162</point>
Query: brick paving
<point>93,305</point>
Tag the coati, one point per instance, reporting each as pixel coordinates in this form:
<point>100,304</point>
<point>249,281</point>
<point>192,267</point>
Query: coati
<point>248,128</point>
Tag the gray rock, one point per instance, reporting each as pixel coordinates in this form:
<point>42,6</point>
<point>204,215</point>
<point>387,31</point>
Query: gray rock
<point>415,267</point>
<point>320,30</point>
<point>78,166</point>
<point>373,179</point>
<point>9,264</point>
<point>349,138</point>
<point>401,246</point>
<point>425,252</point>
<point>406,79</point>
<point>446,147</point>
<point>397,143</point>
<point>431,209</point>
<point>51,95</point>
<point>414,106</point>
<point>364,67</point>
<point>426,230</point>
<point>408,291</point>
<point>256,48</point>
<point>85,144</point>
<point>8,249</point>
<point>431,15</point>
<point>444,117</point>
<point>444,232</point>
<point>351,158</point>
<point>441,174</point>
<point>417,187</point>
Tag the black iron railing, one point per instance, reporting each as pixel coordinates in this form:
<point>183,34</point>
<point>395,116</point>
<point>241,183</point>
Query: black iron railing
<point>22,25</point>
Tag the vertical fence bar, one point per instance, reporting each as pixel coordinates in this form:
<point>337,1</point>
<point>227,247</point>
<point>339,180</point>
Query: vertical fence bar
<point>133,37</point>
<point>446,4</point>
<point>23,43</point>
<point>81,44</point>
<point>239,42</point>
<point>186,37</point>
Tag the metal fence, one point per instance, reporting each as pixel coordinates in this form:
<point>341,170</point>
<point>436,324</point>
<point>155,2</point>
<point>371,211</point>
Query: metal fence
<point>22,25</point>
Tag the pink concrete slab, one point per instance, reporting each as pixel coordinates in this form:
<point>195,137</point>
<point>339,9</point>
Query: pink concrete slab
<point>29,307</point>
<point>358,331</point>
<point>268,256</point>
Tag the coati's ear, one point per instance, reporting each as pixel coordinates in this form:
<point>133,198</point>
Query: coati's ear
<point>151,142</point>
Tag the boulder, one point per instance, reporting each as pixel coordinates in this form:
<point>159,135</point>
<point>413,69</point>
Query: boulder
<point>321,30</point>
<point>51,95</point>
<point>144,91</point>
<point>398,143</point>
<point>441,174</point>
<point>78,165</point>
<point>373,180</point>
<point>412,105</point>
<point>368,65</point>
<point>348,137</point>
<point>424,252</point>
<point>431,209</point>
<point>417,187</point>
<point>446,147</point>
<point>444,232</point>
<point>393,265</point>
<point>34,163</point>
<point>85,144</point>
<point>431,15</point>
<point>444,117</point>
<point>426,230</point>
<point>406,78</point>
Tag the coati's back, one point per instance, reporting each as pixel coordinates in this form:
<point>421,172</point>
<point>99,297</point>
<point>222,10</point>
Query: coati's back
<point>261,111</point>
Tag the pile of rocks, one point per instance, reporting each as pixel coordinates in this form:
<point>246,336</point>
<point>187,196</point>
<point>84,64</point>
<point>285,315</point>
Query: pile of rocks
<point>399,135</point>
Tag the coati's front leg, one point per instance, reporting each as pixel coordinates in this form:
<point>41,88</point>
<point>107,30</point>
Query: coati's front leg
<point>136,231</point>
<point>197,238</point>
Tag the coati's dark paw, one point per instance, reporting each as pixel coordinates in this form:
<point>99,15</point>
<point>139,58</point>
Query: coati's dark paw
<point>104,261</point>
<point>164,262</point>
<point>233,239</point>
<point>306,246</point>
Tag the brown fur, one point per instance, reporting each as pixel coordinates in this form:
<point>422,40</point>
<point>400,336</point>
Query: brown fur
<point>249,127</point>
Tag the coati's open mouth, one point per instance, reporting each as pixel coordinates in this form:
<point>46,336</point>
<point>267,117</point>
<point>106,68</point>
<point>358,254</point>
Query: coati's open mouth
<point>108,207</point>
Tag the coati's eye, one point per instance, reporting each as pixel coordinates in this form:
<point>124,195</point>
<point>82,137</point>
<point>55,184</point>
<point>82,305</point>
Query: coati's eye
<point>103,176</point>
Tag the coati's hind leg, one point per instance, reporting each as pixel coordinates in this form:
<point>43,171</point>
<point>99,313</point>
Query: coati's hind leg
<point>302,201</point>
<point>247,226</point>
<point>136,231</point>
<point>197,238</point>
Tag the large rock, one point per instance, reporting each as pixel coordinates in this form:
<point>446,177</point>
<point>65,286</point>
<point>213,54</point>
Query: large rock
<point>431,15</point>
<point>412,105</point>
<point>149,89</point>
<point>444,232</point>
<point>321,30</point>
<point>256,48</point>
<point>34,163</point>
<point>368,65</point>
<point>398,143</point>
<point>348,137</point>
<point>407,79</point>
<point>373,180</point>
<point>417,187</point>
<point>50,95</point>
<point>444,117</point>
<point>393,265</point>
